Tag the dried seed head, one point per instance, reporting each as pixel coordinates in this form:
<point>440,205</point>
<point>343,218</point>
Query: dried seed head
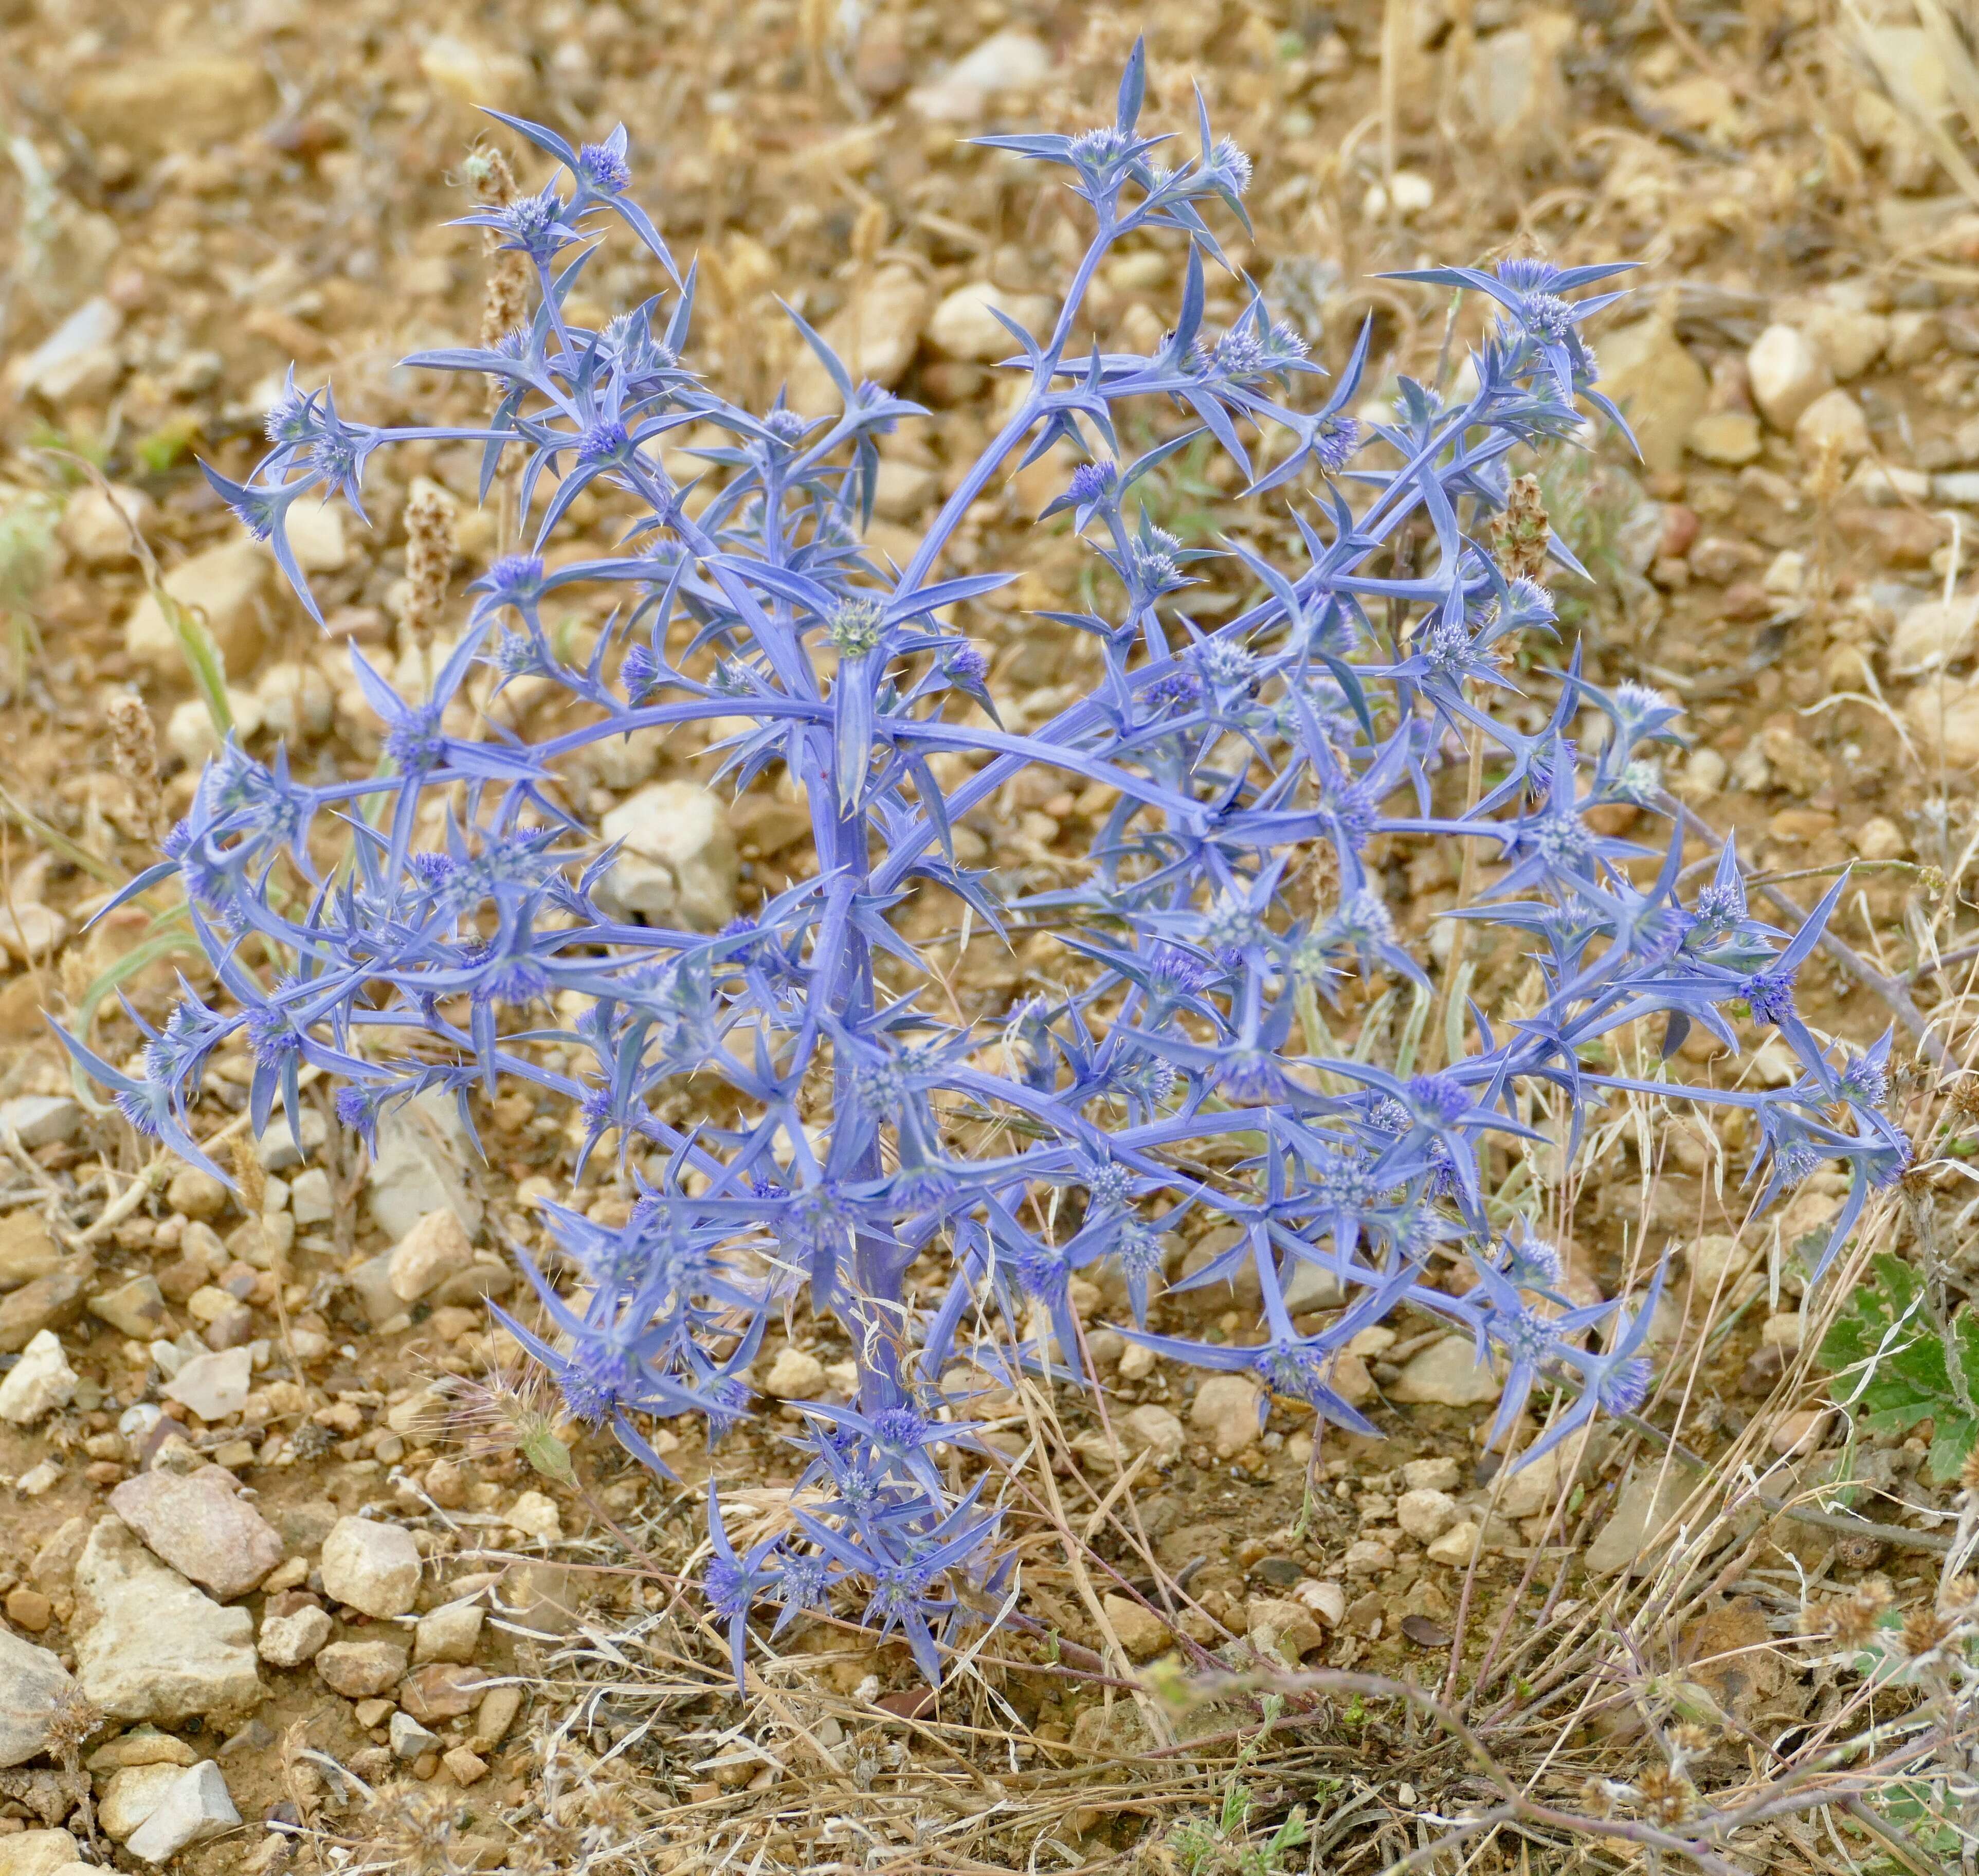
<point>133,752</point>
<point>511,1410</point>
<point>507,303</point>
<point>1968,1473</point>
<point>1519,531</point>
<point>428,558</point>
<point>869,231</point>
<point>1828,472</point>
<point>247,1169</point>
<point>491,180</point>
<point>1690,1739</point>
<point>505,307</point>
<point>73,1718</point>
<point>1666,1795</point>
<point>1852,1620</point>
<point>1960,1594</point>
<point>414,1831</point>
<point>1924,1631</point>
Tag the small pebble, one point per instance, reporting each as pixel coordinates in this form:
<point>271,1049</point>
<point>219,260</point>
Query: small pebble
<point>463,1765</point>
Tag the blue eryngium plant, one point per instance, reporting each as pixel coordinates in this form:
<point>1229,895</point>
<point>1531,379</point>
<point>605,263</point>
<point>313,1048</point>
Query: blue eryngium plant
<point>1308,723</point>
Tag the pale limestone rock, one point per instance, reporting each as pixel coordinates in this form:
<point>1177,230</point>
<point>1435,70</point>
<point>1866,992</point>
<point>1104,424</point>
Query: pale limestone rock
<point>37,1853</point>
<point>33,1683</point>
<point>31,931</point>
<point>1880,839</point>
<point>1531,1488</point>
<point>214,1386</point>
<point>1141,1631</point>
<point>135,1308</point>
<point>417,1169</point>
<point>1943,714</point>
<point>1512,86</point>
<point>201,1528</point>
<point>474,75</point>
<point>1327,1601</point>
<point>1368,1556</point>
<point>310,1198</point>
<point>1226,1411</point>
<point>1153,1427</point>
<point>1833,423</point>
<point>796,1374</point>
<point>186,101</point>
<point>314,531</point>
<point>1283,1626</point>
<point>1799,1431</point>
<point>1447,1374</point>
<point>1851,339</point>
<point>535,1514</point>
<point>190,734</point>
<point>296,701</point>
<point>1646,1501</point>
<point>1425,1514</point>
<point>194,1807</point>
<point>229,584</point>
<point>1657,385</point>
<point>288,1640</point>
<point>78,359</point>
<point>150,1646</point>
<point>37,1384</point>
<point>452,1633</point>
<point>1454,1547</point>
<point>1007,66</point>
<point>410,1740</point>
<point>964,325</point>
<point>1310,1285</point>
<point>677,862</point>
<point>41,1120</point>
<point>1935,633</point>
<point>903,490</point>
<point>1438,1474</point>
<point>1914,337</point>
<point>371,1566</point>
<point>434,1249</point>
<point>1729,438</point>
<point>132,1795</point>
<point>361,1670</point>
<point>279,1150</point>
<point>623,763</point>
<point>874,334</point>
<point>96,525</point>
<point>1787,372</point>
<point>27,1251</point>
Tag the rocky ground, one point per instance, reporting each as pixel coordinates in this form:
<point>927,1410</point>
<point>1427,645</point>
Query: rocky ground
<point>275,1549</point>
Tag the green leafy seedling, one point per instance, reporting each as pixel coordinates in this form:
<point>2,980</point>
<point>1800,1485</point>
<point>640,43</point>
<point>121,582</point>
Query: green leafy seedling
<point>1889,1366</point>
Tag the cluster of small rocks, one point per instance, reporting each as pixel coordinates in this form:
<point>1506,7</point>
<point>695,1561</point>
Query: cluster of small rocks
<point>161,1637</point>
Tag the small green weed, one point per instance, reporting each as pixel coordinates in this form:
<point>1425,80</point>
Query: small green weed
<point>1890,1368</point>
<point>1224,1848</point>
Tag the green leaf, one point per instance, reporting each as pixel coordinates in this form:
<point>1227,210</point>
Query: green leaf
<point>202,656</point>
<point>1887,1364</point>
<point>1954,1440</point>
